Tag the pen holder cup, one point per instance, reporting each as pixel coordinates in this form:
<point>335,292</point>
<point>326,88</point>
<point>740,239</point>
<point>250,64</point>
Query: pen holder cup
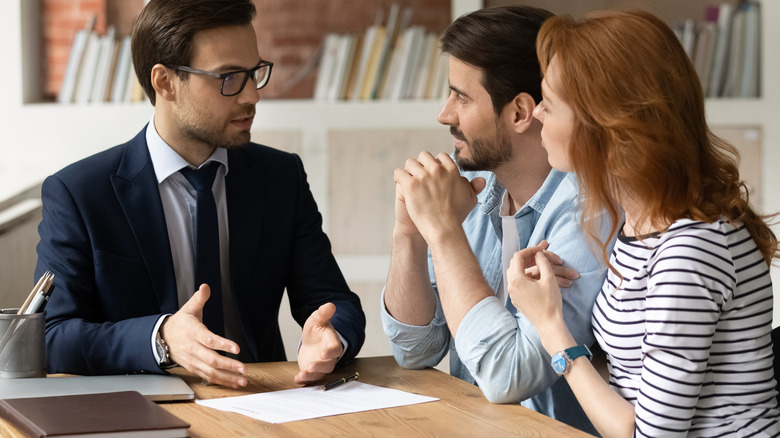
<point>22,345</point>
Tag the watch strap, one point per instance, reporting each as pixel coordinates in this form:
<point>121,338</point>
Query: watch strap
<point>579,350</point>
<point>164,351</point>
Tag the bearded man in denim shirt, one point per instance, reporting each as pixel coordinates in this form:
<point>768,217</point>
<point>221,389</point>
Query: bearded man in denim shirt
<point>510,198</point>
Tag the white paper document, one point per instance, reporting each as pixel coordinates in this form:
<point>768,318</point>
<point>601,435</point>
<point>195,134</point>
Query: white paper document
<point>313,402</point>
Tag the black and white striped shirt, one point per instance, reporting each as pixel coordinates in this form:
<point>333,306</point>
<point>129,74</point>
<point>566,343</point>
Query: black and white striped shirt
<point>687,332</point>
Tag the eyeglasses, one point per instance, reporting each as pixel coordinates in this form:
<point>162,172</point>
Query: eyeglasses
<point>233,82</point>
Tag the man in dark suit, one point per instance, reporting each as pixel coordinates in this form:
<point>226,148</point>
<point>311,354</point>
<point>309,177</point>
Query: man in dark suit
<point>122,230</point>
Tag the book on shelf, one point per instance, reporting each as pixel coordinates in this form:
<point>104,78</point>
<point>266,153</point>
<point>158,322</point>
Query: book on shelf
<point>330,48</point>
<point>736,56</point>
<point>363,56</point>
<point>99,69</point>
<point>135,93</point>
<point>370,75</point>
<point>441,86</point>
<point>391,33</point>
<point>88,68</point>
<point>123,69</point>
<point>752,50</point>
<point>396,57</point>
<point>342,67</point>
<point>426,65</point>
<point>71,69</point>
<point>77,48</point>
<point>725,49</point>
<point>111,414</point>
<point>104,66</point>
<point>348,89</point>
<point>420,58</point>
<point>405,62</point>
<point>687,36</point>
<point>391,62</point>
<point>705,49</point>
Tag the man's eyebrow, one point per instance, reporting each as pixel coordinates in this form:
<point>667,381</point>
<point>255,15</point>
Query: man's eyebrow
<point>232,67</point>
<point>459,91</point>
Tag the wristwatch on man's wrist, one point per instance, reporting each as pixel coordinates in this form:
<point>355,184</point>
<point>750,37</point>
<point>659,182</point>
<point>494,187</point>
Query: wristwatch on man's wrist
<point>163,352</point>
<point>562,359</point>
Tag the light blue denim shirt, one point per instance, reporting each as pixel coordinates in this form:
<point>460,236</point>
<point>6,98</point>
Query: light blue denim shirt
<point>496,347</point>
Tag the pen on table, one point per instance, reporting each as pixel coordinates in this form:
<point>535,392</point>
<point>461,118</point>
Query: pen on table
<point>340,382</point>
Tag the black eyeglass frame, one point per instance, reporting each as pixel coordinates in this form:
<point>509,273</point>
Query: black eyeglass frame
<point>223,76</point>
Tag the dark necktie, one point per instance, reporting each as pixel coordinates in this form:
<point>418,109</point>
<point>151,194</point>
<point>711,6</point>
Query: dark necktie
<point>207,268</point>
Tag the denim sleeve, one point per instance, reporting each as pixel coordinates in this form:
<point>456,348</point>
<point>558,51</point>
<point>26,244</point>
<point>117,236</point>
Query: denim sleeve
<point>416,346</point>
<point>503,350</point>
<point>503,353</point>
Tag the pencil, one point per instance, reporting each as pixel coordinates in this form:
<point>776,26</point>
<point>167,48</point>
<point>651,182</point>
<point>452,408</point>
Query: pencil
<point>30,297</point>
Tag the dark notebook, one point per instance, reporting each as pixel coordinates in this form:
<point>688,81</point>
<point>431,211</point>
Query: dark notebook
<point>109,414</point>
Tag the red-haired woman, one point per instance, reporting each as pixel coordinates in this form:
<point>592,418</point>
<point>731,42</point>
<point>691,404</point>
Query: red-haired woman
<point>685,313</point>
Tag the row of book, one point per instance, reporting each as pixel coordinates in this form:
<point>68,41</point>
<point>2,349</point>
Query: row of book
<point>100,69</point>
<point>725,49</point>
<point>390,61</point>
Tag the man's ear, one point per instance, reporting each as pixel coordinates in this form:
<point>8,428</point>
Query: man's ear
<point>163,80</point>
<point>521,111</point>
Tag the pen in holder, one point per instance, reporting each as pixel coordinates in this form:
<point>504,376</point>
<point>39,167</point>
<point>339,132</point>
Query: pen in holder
<point>22,344</point>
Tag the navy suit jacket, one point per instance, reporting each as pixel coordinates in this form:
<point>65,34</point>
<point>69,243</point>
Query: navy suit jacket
<point>104,236</point>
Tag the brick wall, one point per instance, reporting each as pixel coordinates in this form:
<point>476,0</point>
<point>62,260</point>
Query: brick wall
<point>288,31</point>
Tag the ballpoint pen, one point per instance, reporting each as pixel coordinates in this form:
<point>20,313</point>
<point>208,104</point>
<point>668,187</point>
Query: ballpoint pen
<point>33,293</point>
<point>41,297</point>
<point>37,304</point>
<point>340,382</point>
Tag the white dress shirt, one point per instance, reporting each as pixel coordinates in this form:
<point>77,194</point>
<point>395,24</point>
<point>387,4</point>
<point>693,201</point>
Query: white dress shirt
<point>179,207</point>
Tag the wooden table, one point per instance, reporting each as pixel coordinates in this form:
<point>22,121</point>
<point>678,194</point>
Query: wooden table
<point>462,410</point>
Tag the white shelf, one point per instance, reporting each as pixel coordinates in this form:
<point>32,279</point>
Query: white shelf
<point>739,112</point>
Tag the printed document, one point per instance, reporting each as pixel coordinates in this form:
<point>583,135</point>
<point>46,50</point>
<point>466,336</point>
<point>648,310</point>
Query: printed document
<point>313,402</point>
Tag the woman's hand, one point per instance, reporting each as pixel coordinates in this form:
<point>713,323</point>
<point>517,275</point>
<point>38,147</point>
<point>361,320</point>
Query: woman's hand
<point>534,291</point>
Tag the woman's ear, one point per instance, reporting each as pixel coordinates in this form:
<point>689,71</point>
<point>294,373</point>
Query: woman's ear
<point>521,111</point>
<point>163,82</point>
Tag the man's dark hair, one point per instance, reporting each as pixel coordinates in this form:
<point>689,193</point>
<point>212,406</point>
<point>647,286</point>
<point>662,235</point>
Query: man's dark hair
<point>502,43</point>
<point>164,31</point>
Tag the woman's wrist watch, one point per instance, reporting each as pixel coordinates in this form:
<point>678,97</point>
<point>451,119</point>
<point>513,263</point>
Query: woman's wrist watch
<point>562,359</point>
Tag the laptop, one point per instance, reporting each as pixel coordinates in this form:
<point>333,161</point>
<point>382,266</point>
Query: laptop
<point>155,387</point>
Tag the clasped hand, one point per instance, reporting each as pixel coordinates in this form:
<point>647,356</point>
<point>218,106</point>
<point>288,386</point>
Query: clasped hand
<point>431,195</point>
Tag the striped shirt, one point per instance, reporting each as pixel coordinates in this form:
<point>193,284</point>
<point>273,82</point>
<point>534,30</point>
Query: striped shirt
<point>687,332</point>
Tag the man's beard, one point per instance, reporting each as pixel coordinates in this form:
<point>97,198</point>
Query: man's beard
<point>205,133</point>
<point>486,154</point>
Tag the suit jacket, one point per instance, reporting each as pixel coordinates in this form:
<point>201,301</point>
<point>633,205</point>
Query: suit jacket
<point>104,236</point>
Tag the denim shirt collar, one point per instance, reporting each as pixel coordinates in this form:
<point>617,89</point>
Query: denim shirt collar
<point>490,198</point>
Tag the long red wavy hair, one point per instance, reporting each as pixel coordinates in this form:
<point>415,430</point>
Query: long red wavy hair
<point>640,133</point>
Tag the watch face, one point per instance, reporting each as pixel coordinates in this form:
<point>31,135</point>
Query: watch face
<point>559,363</point>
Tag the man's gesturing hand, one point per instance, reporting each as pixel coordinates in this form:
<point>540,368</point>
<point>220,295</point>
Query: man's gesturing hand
<point>320,346</point>
<point>193,346</point>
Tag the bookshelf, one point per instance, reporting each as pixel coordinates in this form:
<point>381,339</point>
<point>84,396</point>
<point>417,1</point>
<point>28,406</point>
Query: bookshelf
<point>344,145</point>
